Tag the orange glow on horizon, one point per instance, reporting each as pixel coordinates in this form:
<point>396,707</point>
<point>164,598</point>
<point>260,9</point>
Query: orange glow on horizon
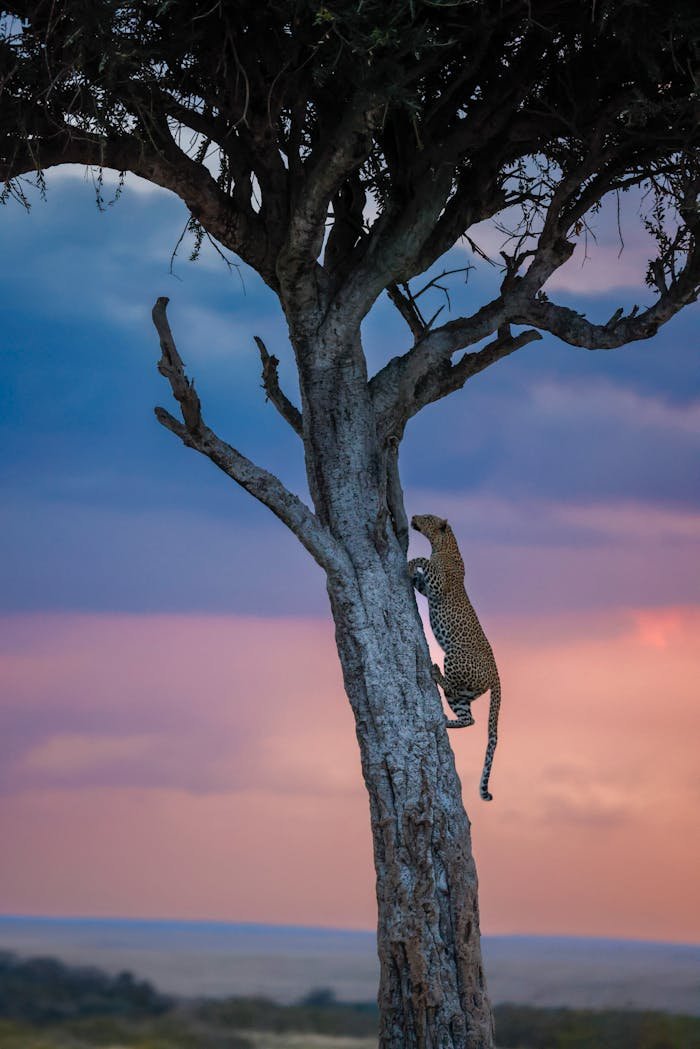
<point>180,769</point>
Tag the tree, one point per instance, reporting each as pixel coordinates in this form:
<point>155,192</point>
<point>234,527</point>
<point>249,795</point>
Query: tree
<point>340,150</point>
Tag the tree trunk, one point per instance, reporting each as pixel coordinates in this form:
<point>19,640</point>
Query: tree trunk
<point>432,993</point>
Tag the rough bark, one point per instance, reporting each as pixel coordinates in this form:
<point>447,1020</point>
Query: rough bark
<point>432,993</point>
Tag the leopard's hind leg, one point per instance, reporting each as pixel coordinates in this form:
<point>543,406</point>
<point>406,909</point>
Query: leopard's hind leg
<point>462,706</point>
<point>460,701</point>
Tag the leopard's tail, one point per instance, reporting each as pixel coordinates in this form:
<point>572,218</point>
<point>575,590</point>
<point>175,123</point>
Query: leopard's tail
<point>494,707</point>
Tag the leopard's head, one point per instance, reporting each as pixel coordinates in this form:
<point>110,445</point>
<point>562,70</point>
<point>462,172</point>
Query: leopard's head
<point>435,529</point>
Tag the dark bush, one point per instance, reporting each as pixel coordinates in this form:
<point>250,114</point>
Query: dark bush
<point>522,1027</point>
<point>44,989</point>
<point>325,1017</point>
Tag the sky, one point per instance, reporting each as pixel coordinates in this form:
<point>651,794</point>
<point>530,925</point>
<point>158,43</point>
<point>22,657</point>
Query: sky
<point>173,729</point>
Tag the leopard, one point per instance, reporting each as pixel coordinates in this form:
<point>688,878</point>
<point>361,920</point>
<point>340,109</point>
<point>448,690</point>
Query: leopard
<point>470,667</point>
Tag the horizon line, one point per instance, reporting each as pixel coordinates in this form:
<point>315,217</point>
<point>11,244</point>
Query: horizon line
<point>343,930</point>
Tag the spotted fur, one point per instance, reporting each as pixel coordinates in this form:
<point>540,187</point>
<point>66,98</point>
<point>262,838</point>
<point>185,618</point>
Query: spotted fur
<point>470,669</point>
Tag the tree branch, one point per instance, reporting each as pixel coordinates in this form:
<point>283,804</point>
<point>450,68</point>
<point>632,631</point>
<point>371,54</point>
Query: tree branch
<point>574,328</point>
<point>425,373</point>
<point>395,387</point>
<point>341,151</point>
<point>453,185</point>
<point>440,382</point>
<point>406,305</point>
<point>271,387</point>
<point>394,493</point>
<point>388,254</point>
<point>347,227</point>
<point>441,378</point>
<point>194,433</point>
<point>682,289</point>
<point>162,163</point>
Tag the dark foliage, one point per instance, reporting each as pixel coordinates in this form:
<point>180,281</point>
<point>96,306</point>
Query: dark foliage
<point>521,1027</point>
<point>441,113</point>
<point>44,989</point>
<point>517,1027</point>
<point>88,1007</point>
<point>314,1014</point>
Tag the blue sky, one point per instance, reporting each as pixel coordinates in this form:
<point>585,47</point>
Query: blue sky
<point>170,697</point>
<point>104,510</point>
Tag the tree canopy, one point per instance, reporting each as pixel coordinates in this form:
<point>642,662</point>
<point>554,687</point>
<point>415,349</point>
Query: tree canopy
<point>341,148</point>
<point>366,138</point>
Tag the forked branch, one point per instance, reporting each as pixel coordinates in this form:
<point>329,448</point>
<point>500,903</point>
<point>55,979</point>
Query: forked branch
<point>194,433</point>
<point>271,386</point>
<point>439,382</point>
<point>406,305</point>
<point>406,302</point>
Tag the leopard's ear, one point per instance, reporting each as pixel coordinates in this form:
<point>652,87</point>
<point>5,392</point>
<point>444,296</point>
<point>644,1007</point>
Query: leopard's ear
<point>443,525</point>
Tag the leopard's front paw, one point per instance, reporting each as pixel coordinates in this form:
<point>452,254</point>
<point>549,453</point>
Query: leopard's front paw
<point>418,580</point>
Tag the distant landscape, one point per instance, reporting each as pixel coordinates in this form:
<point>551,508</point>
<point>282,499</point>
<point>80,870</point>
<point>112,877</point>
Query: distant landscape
<point>284,963</point>
<point>46,1004</point>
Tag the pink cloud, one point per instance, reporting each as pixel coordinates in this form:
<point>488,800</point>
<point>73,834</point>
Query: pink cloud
<point>201,702</point>
<point>598,268</point>
<point>597,401</point>
<point>72,753</point>
<point>249,855</point>
<point>233,758</point>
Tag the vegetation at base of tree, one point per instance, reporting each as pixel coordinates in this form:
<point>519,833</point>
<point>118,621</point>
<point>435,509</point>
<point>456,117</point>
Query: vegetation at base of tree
<point>324,1016</point>
<point>517,1026</point>
<point>45,1004</point>
<point>184,1027</point>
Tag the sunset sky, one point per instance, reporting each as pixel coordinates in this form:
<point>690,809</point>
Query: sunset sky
<point>174,738</point>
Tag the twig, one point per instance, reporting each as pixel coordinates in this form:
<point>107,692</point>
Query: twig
<point>273,391</point>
